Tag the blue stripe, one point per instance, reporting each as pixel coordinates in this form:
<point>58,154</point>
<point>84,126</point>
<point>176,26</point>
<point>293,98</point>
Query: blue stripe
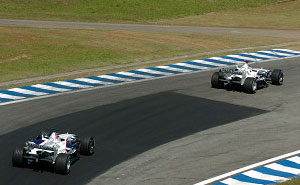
<point>245,178</point>
<point>104,79</point>
<point>164,70</point>
<point>15,93</point>
<point>232,58</point>
<point>220,62</point>
<point>183,67</point>
<point>252,56</point>
<point>200,64</point>
<point>281,51</point>
<point>145,73</point>
<point>125,76</point>
<point>270,171</point>
<point>219,183</point>
<point>269,54</point>
<point>38,141</point>
<point>5,99</point>
<point>38,89</point>
<point>83,83</point>
<point>289,164</point>
<point>61,86</point>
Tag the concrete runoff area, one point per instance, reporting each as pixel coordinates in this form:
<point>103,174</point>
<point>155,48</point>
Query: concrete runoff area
<point>175,130</point>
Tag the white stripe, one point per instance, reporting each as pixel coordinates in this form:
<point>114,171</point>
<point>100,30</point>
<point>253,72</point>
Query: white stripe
<point>47,87</point>
<point>115,78</point>
<point>231,181</point>
<point>277,53</point>
<point>288,50</point>
<point>69,84</point>
<point>261,55</point>
<point>228,60</point>
<point>262,176</point>
<point>246,168</point>
<point>210,63</point>
<point>243,57</point>
<point>88,80</point>
<point>191,65</point>
<point>154,71</point>
<point>11,96</point>
<point>282,168</point>
<point>295,159</point>
<point>25,91</point>
<point>174,69</point>
<point>134,75</point>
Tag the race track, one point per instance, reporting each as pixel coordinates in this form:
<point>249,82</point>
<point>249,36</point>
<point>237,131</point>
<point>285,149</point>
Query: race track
<point>174,130</point>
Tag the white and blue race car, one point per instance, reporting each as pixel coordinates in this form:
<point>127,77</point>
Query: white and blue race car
<point>60,150</point>
<point>250,79</point>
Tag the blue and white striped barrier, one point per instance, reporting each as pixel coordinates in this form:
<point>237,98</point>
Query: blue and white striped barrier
<point>273,173</point>
<point>141,74</point>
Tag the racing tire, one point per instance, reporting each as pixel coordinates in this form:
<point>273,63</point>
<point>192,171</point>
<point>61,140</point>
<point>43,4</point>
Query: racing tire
<point>215,83</point>
<point>18,157</point>
<point>63,164</point>
<point>277,77</point>
<point>87,146</point>
<point>250,85</point>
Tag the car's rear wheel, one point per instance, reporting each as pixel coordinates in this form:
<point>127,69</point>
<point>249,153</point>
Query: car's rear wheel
<point>215,81</point>
<point>250,85</point>
<point>63,164</point>
<point>18,157</point>
<point>277,77</point>
<point>87,146</point>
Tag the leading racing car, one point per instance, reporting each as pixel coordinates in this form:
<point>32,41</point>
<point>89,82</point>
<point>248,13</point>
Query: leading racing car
<point>250,79</point>
<point>60,150</point>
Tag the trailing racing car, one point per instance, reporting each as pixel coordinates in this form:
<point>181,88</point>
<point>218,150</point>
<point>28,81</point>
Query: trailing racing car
<point>250,79</point>
<point>60,150</point>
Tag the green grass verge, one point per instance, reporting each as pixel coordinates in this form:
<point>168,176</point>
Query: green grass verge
<point>32,52</point>
<point>118,10</point>
<point>275,16</point>
<point>295,181</point>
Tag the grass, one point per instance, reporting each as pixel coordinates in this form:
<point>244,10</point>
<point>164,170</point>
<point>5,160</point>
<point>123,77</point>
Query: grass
<point>119,10</point>
<point>274,16</point>
<point>295,181</point>
<point>33,52</point>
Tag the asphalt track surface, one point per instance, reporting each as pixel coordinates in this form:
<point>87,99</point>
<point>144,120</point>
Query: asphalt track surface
<point>140,27</point>
<point>175,130</point>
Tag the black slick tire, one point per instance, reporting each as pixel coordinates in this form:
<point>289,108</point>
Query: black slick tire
<point>277,77</point>
<point>18,157</point>
<point>250,85</point>
<point>62,164</point>
<point>87,146</point>
<point>215,83</point>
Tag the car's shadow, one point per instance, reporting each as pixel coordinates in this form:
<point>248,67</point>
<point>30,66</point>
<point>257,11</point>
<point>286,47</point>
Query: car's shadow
<point>122,130</point>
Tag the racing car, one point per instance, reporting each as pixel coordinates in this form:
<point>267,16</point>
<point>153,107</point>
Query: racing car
<point>59,150</point>
<point>250,79</point>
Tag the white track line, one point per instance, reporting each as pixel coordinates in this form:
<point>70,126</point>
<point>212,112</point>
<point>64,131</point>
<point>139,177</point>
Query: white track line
<point>262,176</point>
<point>134,75</point>
<point>115,78</point>
<point>47,87</point>
<point>88,80</point>
<point>209,63</point>
<point>291,51</point>
<point>231,181</point>
<point>154,72</point>
<point>190,65</point>
<point>228,60</point>
<point>25,91</point>
<point>11,96</point>
<point>295,159</point>
<point>282,168</point>
<point>174,69</point>
<point>241,170</point>
<point>69,84</point>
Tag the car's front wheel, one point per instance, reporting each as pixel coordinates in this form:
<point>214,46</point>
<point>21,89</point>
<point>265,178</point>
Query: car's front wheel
<point>277,77</point>
<point>215,82</point>
<point>63,163</point>
<point>87,146</point>
<point>18,157</point>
